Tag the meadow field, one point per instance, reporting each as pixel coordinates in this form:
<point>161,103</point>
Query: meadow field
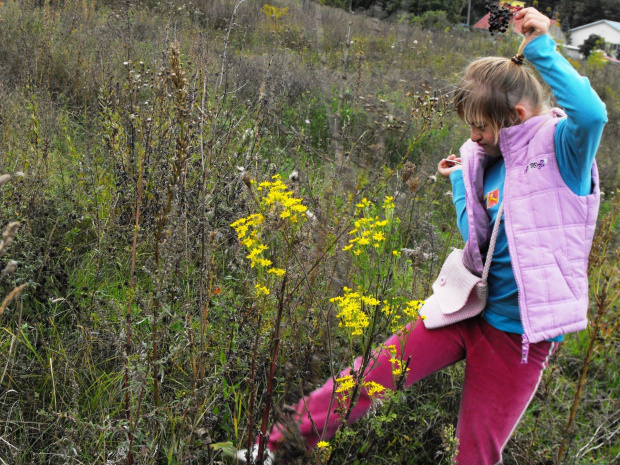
<point>211,207</point>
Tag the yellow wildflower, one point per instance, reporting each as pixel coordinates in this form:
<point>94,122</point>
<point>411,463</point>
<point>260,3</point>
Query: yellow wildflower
<point>397,366</point>
<point>374,388</point>
<point>255,252</point>
<point>278,196</point>
<point>345,383</point>
<point>412,308</point>
<point>378,237</point>
<point>352,314</point>
<point>370,300</point>
<point>261,290</point>
<point>364,203</point>
<point>277,271</point>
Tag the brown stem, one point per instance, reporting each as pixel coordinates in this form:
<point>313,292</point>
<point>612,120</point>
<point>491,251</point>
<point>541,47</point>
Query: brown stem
<point>129,305</point>
<point>272,371</point>
<point>601,309</point>
<point>358,382</point>
<point>252,387</point>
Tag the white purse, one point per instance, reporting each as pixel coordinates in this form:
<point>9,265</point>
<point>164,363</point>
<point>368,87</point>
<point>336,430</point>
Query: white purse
<point>458,293</point>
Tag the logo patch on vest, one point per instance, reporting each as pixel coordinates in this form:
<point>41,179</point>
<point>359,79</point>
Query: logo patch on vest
<point>536,165</point>
<point>492,198</point>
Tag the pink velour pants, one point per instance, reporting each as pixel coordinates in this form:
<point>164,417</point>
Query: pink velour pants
<point>496,391</point>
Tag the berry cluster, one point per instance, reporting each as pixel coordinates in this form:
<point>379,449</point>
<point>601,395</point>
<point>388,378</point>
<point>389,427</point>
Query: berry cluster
<point>500,16</point>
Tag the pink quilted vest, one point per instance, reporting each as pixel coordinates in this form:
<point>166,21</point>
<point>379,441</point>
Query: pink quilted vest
<point>549,228</point>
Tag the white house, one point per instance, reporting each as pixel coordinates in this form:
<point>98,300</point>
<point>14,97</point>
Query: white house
<point>608,30</point>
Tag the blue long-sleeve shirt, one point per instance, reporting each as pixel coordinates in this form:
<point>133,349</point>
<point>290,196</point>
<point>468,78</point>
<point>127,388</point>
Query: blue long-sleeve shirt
<point>576,141</point>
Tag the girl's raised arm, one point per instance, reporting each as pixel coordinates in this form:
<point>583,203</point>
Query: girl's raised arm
<point>579,135</point>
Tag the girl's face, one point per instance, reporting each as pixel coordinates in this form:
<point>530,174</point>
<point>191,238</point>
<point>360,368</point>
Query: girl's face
<point>483,135</point>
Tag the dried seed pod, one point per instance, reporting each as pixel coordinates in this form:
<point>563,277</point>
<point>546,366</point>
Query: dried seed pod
<point>7,236</point>
<point>10,268</point>
<point>9,298</point>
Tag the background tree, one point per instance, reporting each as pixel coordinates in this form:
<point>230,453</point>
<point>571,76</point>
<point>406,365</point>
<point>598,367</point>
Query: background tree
<point>591,43</point>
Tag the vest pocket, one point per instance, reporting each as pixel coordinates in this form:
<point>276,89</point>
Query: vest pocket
<point>567,271</point>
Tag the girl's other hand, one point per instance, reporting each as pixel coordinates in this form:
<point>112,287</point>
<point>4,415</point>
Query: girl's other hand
<point>532,23</point>
<point>448,165</point>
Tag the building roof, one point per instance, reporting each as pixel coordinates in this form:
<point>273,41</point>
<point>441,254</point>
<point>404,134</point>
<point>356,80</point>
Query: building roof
<point>614,24</point>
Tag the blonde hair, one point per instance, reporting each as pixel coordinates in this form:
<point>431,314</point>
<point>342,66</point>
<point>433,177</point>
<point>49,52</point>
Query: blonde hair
<point>490,89</point>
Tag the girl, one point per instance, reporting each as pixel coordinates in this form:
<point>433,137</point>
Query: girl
<point>540,164</point>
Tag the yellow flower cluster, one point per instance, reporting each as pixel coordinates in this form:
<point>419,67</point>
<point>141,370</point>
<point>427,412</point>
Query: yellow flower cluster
<point>391,312</point>
<point>277,271</point>
<point>274,196</point>
<point>243,225</point>
<point>277,196</point>
<point>345,384</point>
<point>388,203</point>
<point>365,203</point>
<point>412,308</point>
<point>397,364</point>
<point>374,388</point>
<point>261,290</point>
<point>274,12</point>
<point>369,231</point>
<point>254,256</point>
<point>322,444</point>
<point>247,232</point>
<point>352,314</point>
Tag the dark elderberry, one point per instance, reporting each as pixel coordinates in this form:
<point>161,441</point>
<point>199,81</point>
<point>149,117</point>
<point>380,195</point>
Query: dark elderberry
<point>500,16</point>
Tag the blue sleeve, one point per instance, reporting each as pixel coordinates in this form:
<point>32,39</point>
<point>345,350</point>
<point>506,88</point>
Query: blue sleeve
<point>458,198</point>
<point>577,137</point>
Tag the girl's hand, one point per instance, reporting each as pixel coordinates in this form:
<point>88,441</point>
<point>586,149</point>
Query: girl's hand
<point>447,165</point>
<point>532,23</point>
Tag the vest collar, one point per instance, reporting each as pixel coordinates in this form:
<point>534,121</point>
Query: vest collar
<point>515,138</point>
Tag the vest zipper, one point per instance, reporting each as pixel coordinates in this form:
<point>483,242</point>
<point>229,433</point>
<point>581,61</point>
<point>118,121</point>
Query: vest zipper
<point>525,341</point>
<point>525,349</point>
